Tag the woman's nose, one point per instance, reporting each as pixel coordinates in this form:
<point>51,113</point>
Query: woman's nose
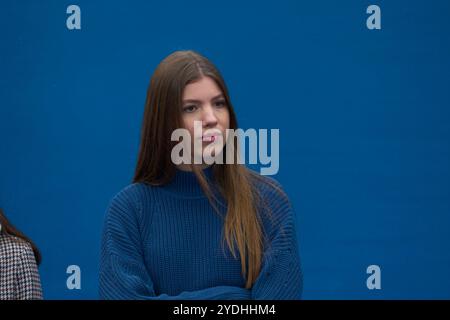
<point>209,117</point>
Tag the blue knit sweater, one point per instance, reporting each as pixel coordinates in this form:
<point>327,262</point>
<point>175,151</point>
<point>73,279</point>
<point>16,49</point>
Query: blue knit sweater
<point>164,243</point>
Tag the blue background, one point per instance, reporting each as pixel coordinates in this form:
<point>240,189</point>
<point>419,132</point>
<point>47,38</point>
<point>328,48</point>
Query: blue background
<point>363,116</point>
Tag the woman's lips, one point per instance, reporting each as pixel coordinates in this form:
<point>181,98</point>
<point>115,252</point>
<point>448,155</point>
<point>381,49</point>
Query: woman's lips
<point>211,138</point>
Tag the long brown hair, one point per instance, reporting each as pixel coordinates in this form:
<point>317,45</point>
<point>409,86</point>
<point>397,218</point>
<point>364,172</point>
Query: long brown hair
<point>162,115</point>
<point>8,228</point>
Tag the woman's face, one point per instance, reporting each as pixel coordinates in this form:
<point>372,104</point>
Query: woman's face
<point>205,106</point>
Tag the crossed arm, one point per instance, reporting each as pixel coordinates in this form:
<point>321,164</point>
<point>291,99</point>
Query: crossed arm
<point>127,278</point>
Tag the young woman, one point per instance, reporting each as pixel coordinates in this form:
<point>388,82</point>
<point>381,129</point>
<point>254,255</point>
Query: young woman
<point>164,235</point>
<point>19,257</point>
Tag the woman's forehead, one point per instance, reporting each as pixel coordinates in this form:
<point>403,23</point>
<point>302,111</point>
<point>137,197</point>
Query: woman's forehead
<point>205,89</point>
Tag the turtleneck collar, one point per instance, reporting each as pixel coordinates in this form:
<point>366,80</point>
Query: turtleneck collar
<point>185,183</point>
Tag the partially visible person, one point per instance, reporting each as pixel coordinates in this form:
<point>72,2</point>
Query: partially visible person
<point>19,258</point>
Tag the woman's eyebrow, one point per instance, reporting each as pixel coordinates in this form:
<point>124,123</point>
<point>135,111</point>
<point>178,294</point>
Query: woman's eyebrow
<point>199,101</point>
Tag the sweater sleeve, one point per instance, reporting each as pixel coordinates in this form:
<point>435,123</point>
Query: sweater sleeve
<point>28,280</point>
<point>281,275</point>
<point>123,273</point>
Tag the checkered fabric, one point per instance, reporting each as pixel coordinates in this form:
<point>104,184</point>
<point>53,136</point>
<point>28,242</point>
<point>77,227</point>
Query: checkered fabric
<point>19,276</point>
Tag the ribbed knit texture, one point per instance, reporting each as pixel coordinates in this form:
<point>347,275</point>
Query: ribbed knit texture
<point>164,243</point>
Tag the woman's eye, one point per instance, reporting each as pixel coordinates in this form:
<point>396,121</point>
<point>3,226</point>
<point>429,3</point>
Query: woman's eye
<point>190,108</point>
<point>221,103</point>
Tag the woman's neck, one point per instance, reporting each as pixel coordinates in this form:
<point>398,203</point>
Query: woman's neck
<point>189,167</point>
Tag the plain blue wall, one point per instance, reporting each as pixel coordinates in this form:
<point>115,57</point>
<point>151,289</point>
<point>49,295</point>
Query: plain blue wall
<point>363,116</point>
